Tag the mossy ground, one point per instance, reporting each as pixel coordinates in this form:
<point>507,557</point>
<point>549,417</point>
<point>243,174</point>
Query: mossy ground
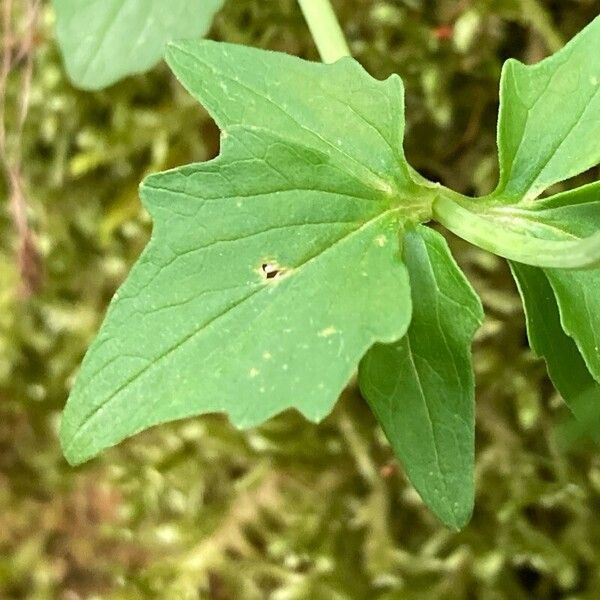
<point>289,510</point>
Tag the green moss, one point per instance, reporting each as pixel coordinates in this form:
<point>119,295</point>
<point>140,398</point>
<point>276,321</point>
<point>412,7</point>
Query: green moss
<point>291,510</point>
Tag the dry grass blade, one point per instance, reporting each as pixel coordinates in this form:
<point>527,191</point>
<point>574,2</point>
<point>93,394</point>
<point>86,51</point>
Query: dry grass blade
<point>17,61</point>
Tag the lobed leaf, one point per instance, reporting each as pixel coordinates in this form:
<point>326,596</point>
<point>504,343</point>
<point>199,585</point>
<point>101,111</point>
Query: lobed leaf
<point>105,40</point>
<point>271,270</point>
<point>339,109</point>
<point>421,388</point>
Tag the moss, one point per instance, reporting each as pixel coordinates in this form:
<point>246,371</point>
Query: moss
<point>290,510</point>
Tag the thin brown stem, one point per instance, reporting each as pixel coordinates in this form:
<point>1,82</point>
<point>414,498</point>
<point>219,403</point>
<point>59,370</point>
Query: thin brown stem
<point>17,60</point>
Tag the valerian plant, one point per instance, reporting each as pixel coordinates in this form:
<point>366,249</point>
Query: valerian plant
<point>301,255</point>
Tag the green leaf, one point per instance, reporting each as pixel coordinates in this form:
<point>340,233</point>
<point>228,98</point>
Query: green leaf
<point>564,218</point>
<point>272,269</point>
<point>514,231</point>
<point>576,214</point>
<point>421,388</point>
<point>547,339</point>
<point>549,129</point>
<point>572,215</point>
<point>578,297</point>
<point>338,109</point>
<point>105,40</point>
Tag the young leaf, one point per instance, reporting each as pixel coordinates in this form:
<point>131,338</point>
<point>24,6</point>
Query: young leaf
<point>421,388</point>
<point>272,269</point>
<point>558,232</point>
<point>566,367</point>
<point>549,129</point>
<point>105,40</point>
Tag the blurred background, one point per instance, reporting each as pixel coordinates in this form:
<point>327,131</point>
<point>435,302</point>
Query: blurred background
<point>289,510</point>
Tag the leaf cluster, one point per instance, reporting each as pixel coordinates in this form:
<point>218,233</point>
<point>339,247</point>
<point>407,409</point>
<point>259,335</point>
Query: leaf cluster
<point>300,252</point>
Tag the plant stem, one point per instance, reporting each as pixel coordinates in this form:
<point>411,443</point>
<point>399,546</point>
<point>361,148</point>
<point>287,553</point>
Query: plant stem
<point>538,18</point>
<point>325,29</point>
<point>523,248</point>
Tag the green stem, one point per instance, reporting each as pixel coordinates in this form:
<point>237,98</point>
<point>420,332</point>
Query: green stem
<point>325,29</point>
<point>526,249</point>
<point>538,18</point>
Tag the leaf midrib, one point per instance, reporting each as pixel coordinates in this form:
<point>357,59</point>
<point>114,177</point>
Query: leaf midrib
<point>432,428</point>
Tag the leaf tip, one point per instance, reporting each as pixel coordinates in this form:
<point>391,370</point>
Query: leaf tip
<point>454,514</point>
<point>70,440</point>
<point>173,50</point>
<point>461,517</point>
<point>69,449</point>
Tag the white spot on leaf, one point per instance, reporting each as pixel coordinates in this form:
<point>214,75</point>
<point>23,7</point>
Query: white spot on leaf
<point>328,331</point>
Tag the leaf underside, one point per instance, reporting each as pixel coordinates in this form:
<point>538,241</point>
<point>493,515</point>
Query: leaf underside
<point>105,40</point>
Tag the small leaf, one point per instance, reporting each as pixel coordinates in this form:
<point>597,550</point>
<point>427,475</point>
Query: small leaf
<point>421,388</point>
<point>566,367</point>
<point>572,215</point>
<point>549,129</point>
<point>271,269</point>
<point>105,40</point>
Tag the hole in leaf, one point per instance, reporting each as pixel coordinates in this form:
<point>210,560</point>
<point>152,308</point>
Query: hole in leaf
<point>271,270</point>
